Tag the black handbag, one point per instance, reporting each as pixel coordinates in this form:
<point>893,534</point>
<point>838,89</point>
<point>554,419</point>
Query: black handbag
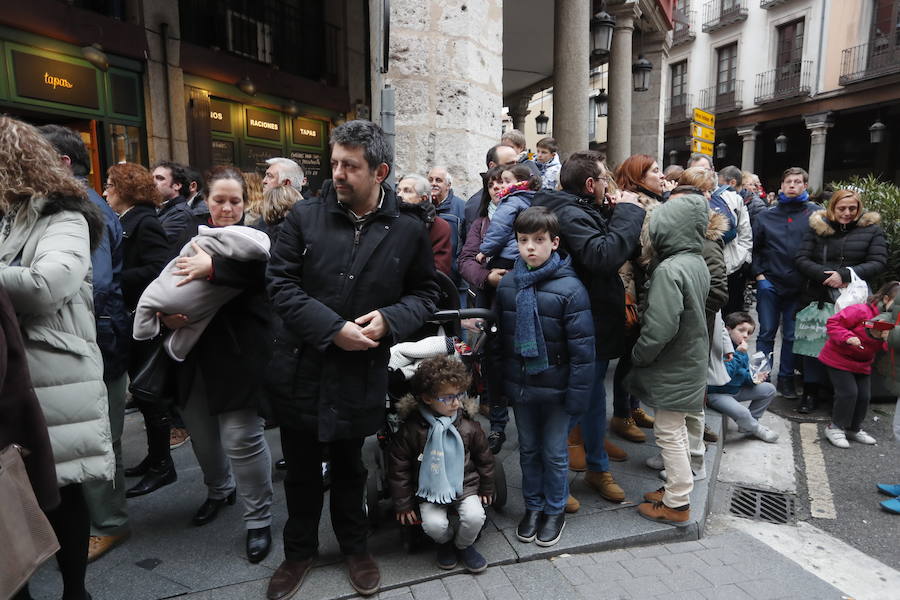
<point>154,381</point>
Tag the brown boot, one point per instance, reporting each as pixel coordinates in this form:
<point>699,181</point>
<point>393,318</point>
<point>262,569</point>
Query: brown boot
<point>660,513</point>
<point>615,453</point>
<point>709,436</point>
<point>655,496</point>
<point>572,504</point>
<point>101,544</point>
<point>577,457</point>
<point>364,574</point>
<point>288,578</point>
<point>626,429</point>
<point>642,419</point>
<point>604,484</point>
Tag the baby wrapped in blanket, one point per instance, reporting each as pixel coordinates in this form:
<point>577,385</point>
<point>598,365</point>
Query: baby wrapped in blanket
<point>198,299</point>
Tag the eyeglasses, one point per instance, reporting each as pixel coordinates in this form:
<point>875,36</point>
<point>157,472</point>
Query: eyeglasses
<point>602,178</point>
<point>450,398</point>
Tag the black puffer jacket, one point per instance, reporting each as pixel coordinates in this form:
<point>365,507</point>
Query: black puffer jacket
<point>324,273</point>
<point>830,246</point>
<point>598,247</point>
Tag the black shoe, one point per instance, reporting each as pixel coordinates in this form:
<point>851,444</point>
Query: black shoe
<point>786,388</point>
<point>495,441</point>
<point>808,404</point>
<point>140,469</point>
<point>258,543</point>
<point>209,509</point>
<point>446,556</point>
<point>161,475</point>
<point>281,465</point>
<point>551,529</point>
<point>528,526</point>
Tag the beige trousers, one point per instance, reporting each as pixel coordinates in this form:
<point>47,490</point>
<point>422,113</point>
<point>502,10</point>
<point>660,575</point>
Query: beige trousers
<point>672,437</point>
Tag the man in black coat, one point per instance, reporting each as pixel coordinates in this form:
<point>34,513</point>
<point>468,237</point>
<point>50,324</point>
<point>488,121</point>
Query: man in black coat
<point>350,275</point>
<point>599,237</point>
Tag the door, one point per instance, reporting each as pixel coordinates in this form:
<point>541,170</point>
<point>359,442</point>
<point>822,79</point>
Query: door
<point>789,59</point>
<point>726,75</point>
<point>884,39</point>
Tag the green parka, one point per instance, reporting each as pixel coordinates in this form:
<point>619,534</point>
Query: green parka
<point>887,364</point>
<point>671,355</point>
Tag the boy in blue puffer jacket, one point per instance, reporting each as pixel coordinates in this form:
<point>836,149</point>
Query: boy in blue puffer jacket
<point>499,247</point>
<point>548,367</point>
<point>727,398</point>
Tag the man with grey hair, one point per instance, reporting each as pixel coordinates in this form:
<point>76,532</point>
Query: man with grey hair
<point>283,171</point>
<point>452,209</point>
<point>414,190</point>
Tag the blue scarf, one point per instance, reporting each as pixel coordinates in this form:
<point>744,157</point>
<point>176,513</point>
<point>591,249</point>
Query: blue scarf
<point>529,340</point>
<point>441,471</point>
<point>795,200</point>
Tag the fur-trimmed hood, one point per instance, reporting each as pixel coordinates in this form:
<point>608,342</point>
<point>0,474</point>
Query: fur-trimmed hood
<point>408,404</point>
<point>820,224</point>
<point>92,214</point>
<point>715,230</point>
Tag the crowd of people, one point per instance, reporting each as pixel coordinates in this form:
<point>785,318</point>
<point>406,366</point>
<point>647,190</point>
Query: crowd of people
<point>290,320</point>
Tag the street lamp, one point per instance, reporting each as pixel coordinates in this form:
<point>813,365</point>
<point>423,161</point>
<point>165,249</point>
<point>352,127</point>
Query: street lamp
<point>673,157</point>
<point>601,33</point>
<point>721,149</point>
<point>640,73</point>
<point>876,131</point>
<point>781,143</point>
<point>540,122</point>
<point>602,100</point>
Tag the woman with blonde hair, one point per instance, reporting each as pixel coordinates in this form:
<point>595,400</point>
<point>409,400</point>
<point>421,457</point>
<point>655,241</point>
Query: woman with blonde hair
<point>47,233</point>
<point>254,185</point>
<point>701,178</point>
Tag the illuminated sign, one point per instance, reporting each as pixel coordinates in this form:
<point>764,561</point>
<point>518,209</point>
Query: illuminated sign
<point>54,80</point>
<point>219,115</point>
<point>263,125</point>
<point>308,132</point>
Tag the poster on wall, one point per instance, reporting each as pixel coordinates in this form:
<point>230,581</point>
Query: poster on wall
<point>312,163</point>
<point>256,157</point>
<point>222,152</point>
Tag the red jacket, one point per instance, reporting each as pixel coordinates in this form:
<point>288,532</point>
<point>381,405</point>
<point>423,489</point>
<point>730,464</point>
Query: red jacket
<point>439,234</point>
<point>846,324</point>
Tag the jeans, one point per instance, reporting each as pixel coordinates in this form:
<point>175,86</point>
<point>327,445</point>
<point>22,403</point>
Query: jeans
<point>543,455</point>
<point>760,396</point>
<point>776,309</point>
<point>593,422</point>
<point>852,392</point>
<point>437,525</point>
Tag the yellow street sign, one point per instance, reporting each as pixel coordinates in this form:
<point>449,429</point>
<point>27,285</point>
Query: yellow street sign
<point>704,118</point>
<point>703,133</point>
<point>702,147</point>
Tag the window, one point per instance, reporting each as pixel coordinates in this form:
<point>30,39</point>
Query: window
<point>678,78</point>
<point>789,57</point>
<point>726,70</point>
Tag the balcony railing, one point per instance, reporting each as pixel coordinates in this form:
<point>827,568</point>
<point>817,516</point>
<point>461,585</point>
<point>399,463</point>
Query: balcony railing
<point>721,13</point>
<point>878,57</point>
<point>792,80</point>
<point>685,32</point>
<point>770,3</point>
<point>724,97</point>
<point>679,108</point>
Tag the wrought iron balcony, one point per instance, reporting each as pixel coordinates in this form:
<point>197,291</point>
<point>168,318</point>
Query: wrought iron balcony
<point>679,108</point>
<point>723,98</point>
<point>721,13</point>
<point>685,32</point>
<point>770,3</point>
<point>792,80</point>
<point>874,59</point>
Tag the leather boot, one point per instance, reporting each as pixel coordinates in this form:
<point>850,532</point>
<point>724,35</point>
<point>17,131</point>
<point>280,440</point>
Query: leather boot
<point>808,404</point>
<point>614,453</point>
<point>642,419</point>
<point>577,457</point>
<point>140,469</point>
<point>627,429</point>
<point>158,475</point>
<point>364,574</point>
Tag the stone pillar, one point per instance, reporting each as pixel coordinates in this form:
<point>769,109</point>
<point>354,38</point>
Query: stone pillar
<point>571,74</point>
<point>446,64</point>
<point>818,125</point>
<point>748,153</point>
<point>518,110</point>
<point>620,86</point>
<point>647,121</point>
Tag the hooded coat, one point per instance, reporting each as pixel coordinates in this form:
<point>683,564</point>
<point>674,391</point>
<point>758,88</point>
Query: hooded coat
<point>830,246</point>
<point>45,267</point>
<point>671,355</point>
<point>406,448</point>
<point>848,323</point>
<point>887,363</point>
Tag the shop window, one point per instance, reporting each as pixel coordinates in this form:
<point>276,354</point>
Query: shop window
<point>125,144</point>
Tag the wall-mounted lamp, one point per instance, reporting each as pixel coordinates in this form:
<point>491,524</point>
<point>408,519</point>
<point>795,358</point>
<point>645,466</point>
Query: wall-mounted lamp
<point>876,131</point>
<point>247,86</point>
<point>95,55</point>
<point>721,149</point>
<point>602,100</point>
<point>781,144</point>
<point>640,73</point>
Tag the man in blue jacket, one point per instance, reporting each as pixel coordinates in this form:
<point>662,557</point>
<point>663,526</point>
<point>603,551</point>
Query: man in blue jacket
<point>777,238</point>
<point>105,499</point>
<point>452,209</point>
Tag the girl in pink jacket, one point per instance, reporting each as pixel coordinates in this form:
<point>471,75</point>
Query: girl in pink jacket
<point>849,352</point>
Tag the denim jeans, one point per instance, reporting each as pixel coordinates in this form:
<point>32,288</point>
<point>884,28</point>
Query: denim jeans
<point>776,309</point>
<point>593,422</point>
<point>544,456</point>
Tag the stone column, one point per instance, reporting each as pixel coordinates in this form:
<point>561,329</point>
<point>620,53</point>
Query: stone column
<point>446,65</point>
<point>818,125</point>
<point>647,123</point>
<point>571,74</point>
<point>518,110</point>
<point>748,153</point>
<point>620,86</point>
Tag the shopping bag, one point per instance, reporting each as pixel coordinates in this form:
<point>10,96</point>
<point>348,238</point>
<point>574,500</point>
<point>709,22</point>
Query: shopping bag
<point>809,332</point>
<point>856,292</point>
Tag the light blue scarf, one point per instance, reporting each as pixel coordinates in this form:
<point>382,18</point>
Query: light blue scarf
<point>441,471</point>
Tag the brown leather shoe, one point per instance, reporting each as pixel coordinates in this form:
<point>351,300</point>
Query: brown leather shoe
<point>660,513</point>
<point>655,496</point>
<point>604,484</point>
<point>572,504</point>
<point>642,419</point>
<point>614,452</point>
<point>709,436</point>
<point>364,575</point>
<point>627,429</point>
<point>288,578</point>
<point>577,457</point>
<point>101,544</point>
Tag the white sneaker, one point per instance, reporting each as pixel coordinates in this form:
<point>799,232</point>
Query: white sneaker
<point>860,436</point>
<point>836,436</point>
<point>698,475</point>
<point>655,462</point>
<point>765,434</point>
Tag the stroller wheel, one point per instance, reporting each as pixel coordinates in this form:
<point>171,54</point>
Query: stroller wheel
<point>499,486</point>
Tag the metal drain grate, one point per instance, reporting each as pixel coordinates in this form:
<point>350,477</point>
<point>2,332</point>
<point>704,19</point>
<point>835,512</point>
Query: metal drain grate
<point>762,505</point>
